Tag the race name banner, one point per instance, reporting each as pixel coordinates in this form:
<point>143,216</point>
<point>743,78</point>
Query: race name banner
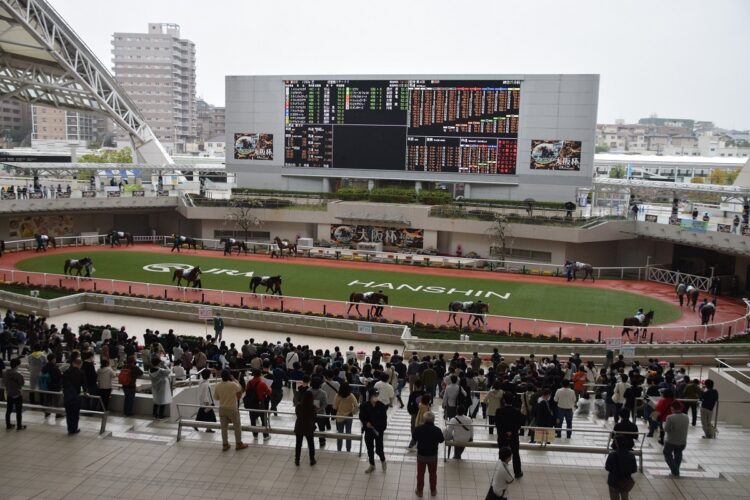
<point>89,194</point>
<point>675,221</point>
<point>345,235</point>
<point>652,218</point>
<point>162,193</point>
<point>694,226</point>
<point>555,155</point>
<point>139,194</point>
<point>9,196</point>
<point>250,146</point>
<point>113,194</point>
<point>724,228</point>
<point>36,195</point>
<point>63,194</point>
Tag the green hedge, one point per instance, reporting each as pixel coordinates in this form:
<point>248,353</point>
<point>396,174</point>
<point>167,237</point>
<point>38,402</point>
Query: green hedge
<point>515,203</point>
<point>393,195</point>
<point>434,197</point>
<point>352,194</point>
<point>281,192</point>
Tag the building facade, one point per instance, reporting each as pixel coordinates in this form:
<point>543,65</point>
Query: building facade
<point>55,129</point>
<point>15,122</point>
<point>157,70</point>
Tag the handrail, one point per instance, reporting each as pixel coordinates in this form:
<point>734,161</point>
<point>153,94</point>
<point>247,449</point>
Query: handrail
<point>732,368</point>
<point>52,409</point>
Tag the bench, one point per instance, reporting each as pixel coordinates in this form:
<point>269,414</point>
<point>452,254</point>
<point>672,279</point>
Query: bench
<point>567,448</point>
<point>266,430</point>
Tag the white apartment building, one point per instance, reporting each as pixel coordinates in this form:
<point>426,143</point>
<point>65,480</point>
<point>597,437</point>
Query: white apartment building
<point>157,70</point>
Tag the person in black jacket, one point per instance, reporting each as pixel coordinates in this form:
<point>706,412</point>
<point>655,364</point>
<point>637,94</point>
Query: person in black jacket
<point>89,380</point>
<point>543,414</point>
<point>509,421</point>
<point>304,426</point>
<point>620,465</point>
<point>374,418</point>
<point>412,406</point>
<point>54,384</point>
<point>428,438</point>
<point>624,441</point>
<point>72,381</point>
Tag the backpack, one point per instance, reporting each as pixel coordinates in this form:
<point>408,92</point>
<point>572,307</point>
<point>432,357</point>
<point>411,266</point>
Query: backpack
<point>250,400</point>
<point>44,380</point>
<point>125,377</point>
<point>463,400</point>
<point>413,405</point>
<point>481,383</point>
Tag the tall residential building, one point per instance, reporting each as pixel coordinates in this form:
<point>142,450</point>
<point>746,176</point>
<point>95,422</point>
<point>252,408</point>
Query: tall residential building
<point>15,122</point>
<point>210,121</point>
<point>157,70</point>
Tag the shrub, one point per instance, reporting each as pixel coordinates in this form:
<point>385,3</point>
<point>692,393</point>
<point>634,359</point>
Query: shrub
<point>392,195</point>
<point>435,197</point>
<point>352,194</point>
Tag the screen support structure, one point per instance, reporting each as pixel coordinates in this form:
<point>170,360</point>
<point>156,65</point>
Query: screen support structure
<point>66,74</point>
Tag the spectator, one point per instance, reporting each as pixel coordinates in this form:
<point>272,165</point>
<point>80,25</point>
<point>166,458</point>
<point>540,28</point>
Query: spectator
<point>320,402</point>
<point>304,427</point>
<point>413,406</point>
<point>692,391</point>
<point>583,406</point>
<point>72,381</point>
<point>620,465</point>
<point>459,429</point>
<point>660,413</point>
<point>127,379</point>
<point>160,389</point>
<point>345,405</point>
<point>493,400</point>
<point>428,438</point>
<point>543,415</point>
<point>387,394</point>
<point>451,397</point>
<point>206,402</point>
<point>625,426</point>
<point>374,420</point>
<point>509,421</point>
<point>565,398</point>
<point>104,377</point>
<point>228,392</point>
<point>502,477</point>
<point>709,398</point>
<point>218,326</point>
<point>36,360</point>
<point>13,382</point>
<point>676,431</point>
<point>257,395</point>
<point>51,380</point>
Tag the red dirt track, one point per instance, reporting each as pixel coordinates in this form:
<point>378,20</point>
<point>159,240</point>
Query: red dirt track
<point>683,329</point>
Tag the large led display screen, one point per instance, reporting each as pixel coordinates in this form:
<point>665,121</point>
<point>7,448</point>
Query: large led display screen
<point>555,155</point>
<point>418,125</point>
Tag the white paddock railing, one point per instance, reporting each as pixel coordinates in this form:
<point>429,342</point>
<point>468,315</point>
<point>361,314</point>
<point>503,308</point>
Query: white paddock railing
<point>669,277</point>
<point>401,315</point>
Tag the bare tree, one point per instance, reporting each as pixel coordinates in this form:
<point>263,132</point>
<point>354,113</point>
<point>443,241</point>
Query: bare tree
<point>500,236</point>
<point>241,216</point>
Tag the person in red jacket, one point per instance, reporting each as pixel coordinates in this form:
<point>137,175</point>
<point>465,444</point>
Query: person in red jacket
<point>257,396</point>
<point>664,409</point>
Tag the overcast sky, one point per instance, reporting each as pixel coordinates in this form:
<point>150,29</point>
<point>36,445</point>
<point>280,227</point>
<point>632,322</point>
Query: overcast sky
<point>683,58</point>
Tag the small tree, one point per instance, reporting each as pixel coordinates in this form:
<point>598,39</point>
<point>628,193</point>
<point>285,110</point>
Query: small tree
<point>124,155</point>
<point>617,172</point>
<point>500,236</point>
<point>241,216</point>
<point>601,148</point>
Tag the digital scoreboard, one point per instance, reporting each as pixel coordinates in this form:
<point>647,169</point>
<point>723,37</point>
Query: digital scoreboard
<point>464,126</point>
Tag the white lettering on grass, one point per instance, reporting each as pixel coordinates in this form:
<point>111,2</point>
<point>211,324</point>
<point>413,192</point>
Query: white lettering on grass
<point>431,289</point>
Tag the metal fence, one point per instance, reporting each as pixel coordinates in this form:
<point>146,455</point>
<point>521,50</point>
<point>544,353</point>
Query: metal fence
<point>344,310</point>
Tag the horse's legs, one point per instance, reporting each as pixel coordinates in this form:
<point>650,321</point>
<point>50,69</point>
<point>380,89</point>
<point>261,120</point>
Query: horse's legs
<point>350,309</point>
<point>451,316</point>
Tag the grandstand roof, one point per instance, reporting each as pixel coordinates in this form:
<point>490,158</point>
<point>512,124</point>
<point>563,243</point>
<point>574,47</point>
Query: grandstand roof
<point>665,161</point>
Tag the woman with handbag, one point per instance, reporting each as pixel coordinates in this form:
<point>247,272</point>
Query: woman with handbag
<point>620,465</point>
<point>206,411</point>
<point>502,476</point>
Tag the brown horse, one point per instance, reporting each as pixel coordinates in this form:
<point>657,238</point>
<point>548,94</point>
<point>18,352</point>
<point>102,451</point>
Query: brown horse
<point>476,309</point>
<point>190,276</point>
<point>633,321</point>
<point>272,284</point>
<point>79,265</point>
<point>375,299</point>
<point>281,245</point>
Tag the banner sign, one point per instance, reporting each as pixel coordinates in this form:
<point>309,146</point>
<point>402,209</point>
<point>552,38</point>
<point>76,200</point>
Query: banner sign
<point>652,218</point>
<point>62,194</point>
<point>89,194</point>
<point>139,193</point>
<point>694,226</point>
<point>724,228</point>
<point>249,146</point>
<point>113,194</point>
<point>36,195</point>
<point>344,235</point>
<point>555,155</point>
<point>162,193</point>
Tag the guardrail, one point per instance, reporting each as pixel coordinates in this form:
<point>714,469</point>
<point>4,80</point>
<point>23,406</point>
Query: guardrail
<point>265,426</point>
<point>61,410</point>
<point>544,446</point>
<point>340,309</point>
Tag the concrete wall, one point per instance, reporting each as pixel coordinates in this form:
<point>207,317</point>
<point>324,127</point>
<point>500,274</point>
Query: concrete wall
<point>732,389</point>
<point>552,107</point>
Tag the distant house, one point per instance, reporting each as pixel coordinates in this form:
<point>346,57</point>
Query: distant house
<point>215,146</point>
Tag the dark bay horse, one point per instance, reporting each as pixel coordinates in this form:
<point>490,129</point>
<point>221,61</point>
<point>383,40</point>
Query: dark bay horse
<point>43,241</point>
<point>230,243</point>
<point>189,275</point>
<point>179,241</point>
<point>79,264</point>
<point>272,284</point>
<point>2,247</point>
<point>114,237</point>
<point>476,309</point>
<point>633,321</point>
<point>281,245</point>
<point>376,300</point>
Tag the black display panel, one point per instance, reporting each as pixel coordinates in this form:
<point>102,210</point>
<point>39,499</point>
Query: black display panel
<point>464,126</point>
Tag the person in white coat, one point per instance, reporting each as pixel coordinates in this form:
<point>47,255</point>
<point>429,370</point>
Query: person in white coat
<point>160,389</point>
<point>459,429</point>
<point>206,401</point>
<point>502,477</point>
